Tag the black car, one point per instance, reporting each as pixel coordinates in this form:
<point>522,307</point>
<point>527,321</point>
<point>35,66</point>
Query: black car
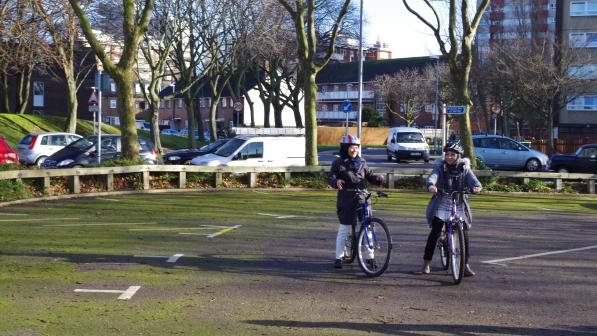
<point>184,156</point>
<point>584,160</point>
<point>83,152</point>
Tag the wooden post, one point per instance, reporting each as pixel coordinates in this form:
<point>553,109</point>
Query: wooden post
<point>182,180</point>
<point>287,176</point>
<point>46,185</point>
<point>75,184</point>
<point>391,181</point>
<point>218,179</point>
<point>252,179</point>
<point>526,180</point>
<point>558,184</point>
<point>591,186</point>
<point>109,182</point>
<point>146,183</point>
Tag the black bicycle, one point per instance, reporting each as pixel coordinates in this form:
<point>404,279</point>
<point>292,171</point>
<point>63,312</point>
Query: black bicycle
<point>451,241</point>
<point>369,241</point>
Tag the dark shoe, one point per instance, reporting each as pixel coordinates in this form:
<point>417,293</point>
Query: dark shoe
<point>371,264</point>
<point>468,272</point>
<point>338,263</point>
<point>426,267</point>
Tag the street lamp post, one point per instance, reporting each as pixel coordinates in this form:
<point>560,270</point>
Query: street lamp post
<point>173,85</point>
<point>436,107</point>
<point>360,74</point>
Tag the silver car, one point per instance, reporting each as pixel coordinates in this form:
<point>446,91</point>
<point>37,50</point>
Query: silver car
<point>500,152</point>
<point>36,147</point>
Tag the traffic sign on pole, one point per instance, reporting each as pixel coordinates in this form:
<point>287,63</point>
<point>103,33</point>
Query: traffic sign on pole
<point>455,109</point>
<point>347,106</point>
<point>92,99</point>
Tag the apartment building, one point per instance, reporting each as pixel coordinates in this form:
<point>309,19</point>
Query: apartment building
<point>338,83</point>
<point>578,30</point>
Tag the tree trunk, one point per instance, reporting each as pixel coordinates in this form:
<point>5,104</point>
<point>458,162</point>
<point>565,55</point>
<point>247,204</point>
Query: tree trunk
<point>126,103</point>
<point>213,110</point>
<point>23,91</point>
<point>192,117</point>
<point>71,102</point>
<point>4,97</point>
<point>310,120</point>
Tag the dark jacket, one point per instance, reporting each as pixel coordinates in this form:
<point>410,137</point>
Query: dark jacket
<point>354,172</point>
<point>440,178</point>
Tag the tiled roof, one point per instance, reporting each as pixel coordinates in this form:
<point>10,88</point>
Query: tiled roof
<point>349,72</point>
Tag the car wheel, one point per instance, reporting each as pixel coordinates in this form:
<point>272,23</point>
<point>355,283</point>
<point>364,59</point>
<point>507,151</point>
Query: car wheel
<point>40,160</point>
<point>562,170</point>
<point>532,165</point>
<point>389,158</point>
<point>187,162</point>
<point>77,166</point>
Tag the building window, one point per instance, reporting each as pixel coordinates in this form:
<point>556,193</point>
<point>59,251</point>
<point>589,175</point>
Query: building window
<point>112,87</point>
<point>336,107</point>
<point>324,108</point>
<point>137,88</point>
<point>201,102</point>
<point>349,87</point>
<point>583,103</point>
<point>112,103</point>
<point>583,40</point>
<point>224,102</point>
<point>38,94</point>
<point>324,88</point>
<point>583,8</point>
<point>336,87</point>
<point>585,71</point>
<point>179,103</point>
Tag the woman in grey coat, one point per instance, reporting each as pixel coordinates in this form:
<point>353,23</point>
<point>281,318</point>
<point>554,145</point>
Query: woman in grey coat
<point>452,174</point>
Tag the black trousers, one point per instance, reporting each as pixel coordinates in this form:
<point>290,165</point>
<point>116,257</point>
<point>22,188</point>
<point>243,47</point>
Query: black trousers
<point>436,230</point>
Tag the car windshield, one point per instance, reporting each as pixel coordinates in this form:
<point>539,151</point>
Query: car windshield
<point>230,147</point>
<point>213,145</point>
<point>410,137</point>
<point>83,143</point>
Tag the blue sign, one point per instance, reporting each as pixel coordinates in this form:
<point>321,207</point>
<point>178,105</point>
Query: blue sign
<point>347,106</point>
<point>455,109</point>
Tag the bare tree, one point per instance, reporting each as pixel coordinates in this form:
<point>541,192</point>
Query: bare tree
<point>73,60</point>
<point>534,86</point>
<point>303,15</point>
<point>456,49</point>
<point>135,20</point>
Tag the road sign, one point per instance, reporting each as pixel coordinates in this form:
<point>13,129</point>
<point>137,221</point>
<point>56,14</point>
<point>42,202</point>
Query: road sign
<point>347,106</point>
<point>93,108</point>
<point>92,99</point>
<point>430,108</point>
<point>455,109</point>
<point>238,106</point>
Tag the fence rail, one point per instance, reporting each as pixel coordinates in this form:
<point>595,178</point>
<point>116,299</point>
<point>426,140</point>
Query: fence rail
<point>106,174</point>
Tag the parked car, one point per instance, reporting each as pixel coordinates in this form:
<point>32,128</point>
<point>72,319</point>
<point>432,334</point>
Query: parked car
<point>184,132</point>
<point>36,147</point>
<point>7,154</point>
<point>169,131</point>
<point>407,143</point>
<point>83,152</point>
<point>500,152</point>
<point>184,156</point>
<point>584,160</point>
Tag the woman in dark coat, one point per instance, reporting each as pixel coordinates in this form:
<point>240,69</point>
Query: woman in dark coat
<point>348,173</point>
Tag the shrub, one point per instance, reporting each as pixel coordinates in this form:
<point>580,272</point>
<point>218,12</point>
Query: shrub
<point>13,190</point>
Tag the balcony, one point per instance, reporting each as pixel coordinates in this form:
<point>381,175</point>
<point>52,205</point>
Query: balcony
<point>342,95</point>
<point>329,116</point>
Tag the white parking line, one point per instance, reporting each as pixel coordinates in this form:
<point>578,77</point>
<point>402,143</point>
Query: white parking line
<point>171,259</point>
<point>97,224</point>
<point>223,231</point>
<point>174,258</point>
<point>498,261</point>
<point>35,219</point>
<point>277,216</point>
<point>124,294</point>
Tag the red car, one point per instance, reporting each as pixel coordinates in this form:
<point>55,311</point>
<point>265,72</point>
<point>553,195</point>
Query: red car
<point>7,154</point>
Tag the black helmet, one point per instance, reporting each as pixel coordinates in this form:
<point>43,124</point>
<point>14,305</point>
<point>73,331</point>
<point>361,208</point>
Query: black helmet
<point>454,147</point>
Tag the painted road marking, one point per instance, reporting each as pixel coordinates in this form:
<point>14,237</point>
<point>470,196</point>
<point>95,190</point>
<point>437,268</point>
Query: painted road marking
<point>277,216</point>
<point>498,261</point>
<point>109,199</point>
<point>35,219</point>
<point>98,224</point>
<point>174,258</point>
<point>124,294</point>
<point>168,229</point>
<point>212,235</point>
<point>171,259</point>
<point>13,214</point>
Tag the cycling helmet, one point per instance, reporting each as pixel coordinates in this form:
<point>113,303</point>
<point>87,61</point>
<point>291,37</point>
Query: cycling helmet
<point>454,147</point>
<point>350,140</point>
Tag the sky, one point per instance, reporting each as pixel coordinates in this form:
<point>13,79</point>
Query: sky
<point>392,23</point>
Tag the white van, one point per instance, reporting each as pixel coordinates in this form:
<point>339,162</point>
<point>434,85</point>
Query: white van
<point>257,151</point>
<point>407,143</point>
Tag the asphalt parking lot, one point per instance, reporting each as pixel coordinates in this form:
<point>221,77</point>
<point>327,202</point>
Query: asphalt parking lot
<point>267,270</point>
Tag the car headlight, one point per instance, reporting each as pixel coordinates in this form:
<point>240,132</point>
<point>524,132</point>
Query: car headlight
<point>65,163</point>
<point>173,158</point>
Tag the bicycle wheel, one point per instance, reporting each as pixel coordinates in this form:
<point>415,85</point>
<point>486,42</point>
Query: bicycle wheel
<point>374,247</point>
<point>457,253</point>
<point>350,247</point>
<point>442,246</point>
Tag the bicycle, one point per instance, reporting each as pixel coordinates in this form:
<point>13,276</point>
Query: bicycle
<point>370,243</point>
<point>451,241</point>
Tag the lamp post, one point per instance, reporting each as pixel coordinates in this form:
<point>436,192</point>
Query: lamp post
<point>360,74</point>
<point>173,85</point>
<point>436,106</point>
